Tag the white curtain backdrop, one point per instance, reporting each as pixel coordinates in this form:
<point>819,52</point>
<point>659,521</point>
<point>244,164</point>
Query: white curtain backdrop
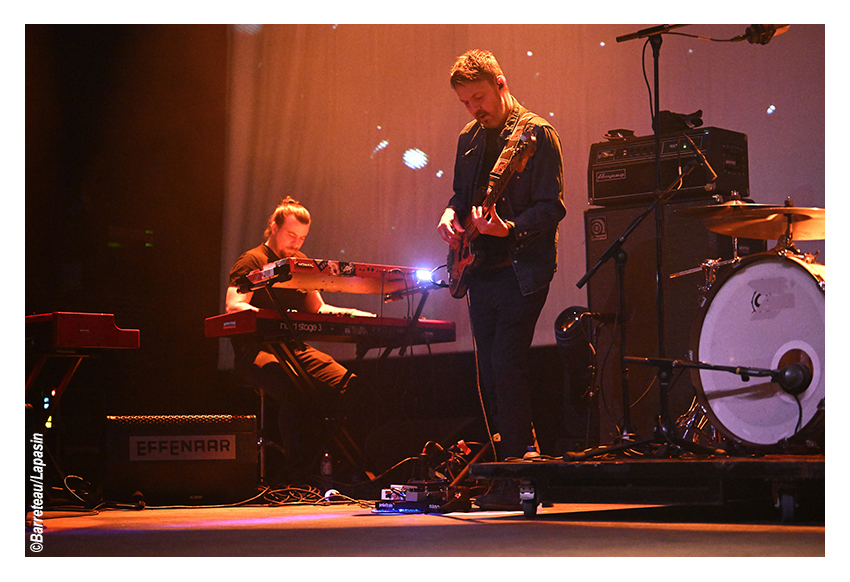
<point>333,115</point>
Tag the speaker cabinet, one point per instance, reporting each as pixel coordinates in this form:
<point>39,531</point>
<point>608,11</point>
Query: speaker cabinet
<point>686,244</point>
<point>181,460</point>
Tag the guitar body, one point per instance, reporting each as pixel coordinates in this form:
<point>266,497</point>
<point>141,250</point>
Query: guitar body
<point>461,260</point>
<point>459,264</point>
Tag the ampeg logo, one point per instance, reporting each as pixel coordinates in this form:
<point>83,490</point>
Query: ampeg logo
<point>598,228</point>
<point>610,175</point>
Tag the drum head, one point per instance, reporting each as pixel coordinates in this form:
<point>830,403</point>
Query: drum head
<point>768,312</point>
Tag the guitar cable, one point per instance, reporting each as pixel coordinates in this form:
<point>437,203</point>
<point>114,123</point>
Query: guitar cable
<point>478,383</point>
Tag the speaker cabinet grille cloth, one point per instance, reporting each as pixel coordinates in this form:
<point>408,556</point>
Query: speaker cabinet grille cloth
<point>183,459</point>
<point>686,245</point>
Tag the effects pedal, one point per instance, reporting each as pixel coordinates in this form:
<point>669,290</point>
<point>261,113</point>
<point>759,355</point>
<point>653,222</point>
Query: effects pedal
<point>424,497</point>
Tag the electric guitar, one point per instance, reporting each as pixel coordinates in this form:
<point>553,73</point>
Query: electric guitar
<point>462,260</point>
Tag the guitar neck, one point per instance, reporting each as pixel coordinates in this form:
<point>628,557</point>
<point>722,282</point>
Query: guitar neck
<point>495,186</point>
<point>512,159</point>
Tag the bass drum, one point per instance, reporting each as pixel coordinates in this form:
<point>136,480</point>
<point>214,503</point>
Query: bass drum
<point>767,311</point>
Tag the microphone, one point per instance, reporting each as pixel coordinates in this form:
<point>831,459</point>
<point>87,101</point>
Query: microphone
<point>703,159</point>
<point>762,33</point>
<point>794,378</point>
<point>646,32</point>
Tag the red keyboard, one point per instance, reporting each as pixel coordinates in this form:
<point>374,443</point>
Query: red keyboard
<point>68,337</point>
<point>371,332</point>
<point>66,331</point>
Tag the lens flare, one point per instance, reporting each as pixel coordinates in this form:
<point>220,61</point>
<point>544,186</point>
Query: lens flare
<point>415,159</point>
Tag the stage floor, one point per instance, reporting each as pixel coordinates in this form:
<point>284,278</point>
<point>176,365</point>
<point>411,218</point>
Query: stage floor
<point>355,530</point>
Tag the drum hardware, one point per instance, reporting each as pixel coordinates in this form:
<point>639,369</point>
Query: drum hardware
<point>694,425</point>
<point>794,379</point>
<point>738,218</point>
<point>761,312</point>
<point>665,431</point>
<point>810,258</point>
<point>709,267</point>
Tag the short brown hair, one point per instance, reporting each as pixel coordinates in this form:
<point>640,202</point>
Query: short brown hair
<point>287,207</point>
<point>475,65</point>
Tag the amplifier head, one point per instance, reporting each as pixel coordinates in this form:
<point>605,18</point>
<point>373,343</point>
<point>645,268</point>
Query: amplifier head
<point>623,172</point>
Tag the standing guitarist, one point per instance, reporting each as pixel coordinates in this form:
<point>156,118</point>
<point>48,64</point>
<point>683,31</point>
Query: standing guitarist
<point>512,236</point>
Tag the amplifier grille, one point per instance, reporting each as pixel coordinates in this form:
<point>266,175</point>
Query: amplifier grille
<point>179,419</point>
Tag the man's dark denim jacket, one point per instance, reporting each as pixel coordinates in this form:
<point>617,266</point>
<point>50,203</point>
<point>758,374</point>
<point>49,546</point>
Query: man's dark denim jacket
<point>533,200</point>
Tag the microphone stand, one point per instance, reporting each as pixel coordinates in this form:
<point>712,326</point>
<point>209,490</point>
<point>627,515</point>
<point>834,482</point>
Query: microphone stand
<point>792,379</point>
<point>655,39</point>
<point>615,251</point>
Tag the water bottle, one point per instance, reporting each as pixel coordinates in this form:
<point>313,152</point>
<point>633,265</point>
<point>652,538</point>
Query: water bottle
<point>327,466</point>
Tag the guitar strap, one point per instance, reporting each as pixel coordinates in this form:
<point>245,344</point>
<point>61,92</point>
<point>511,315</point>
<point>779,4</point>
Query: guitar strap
<point>510,146</point>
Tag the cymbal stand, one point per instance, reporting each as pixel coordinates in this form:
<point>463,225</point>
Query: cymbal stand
<point>786,241</point>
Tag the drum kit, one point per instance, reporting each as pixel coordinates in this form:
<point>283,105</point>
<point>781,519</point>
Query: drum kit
<point>757,356</point>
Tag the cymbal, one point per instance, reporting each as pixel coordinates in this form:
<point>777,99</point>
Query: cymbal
<point>761,221</point>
